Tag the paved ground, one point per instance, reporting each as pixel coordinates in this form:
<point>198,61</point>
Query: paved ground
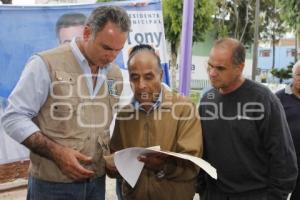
<point>20,194</point>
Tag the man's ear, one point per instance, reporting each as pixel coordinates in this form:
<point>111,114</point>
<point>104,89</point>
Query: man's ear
<point>87,32</point>
<point>241,67</point>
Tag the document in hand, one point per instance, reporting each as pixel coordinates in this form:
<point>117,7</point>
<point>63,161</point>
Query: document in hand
<point>130,168</point>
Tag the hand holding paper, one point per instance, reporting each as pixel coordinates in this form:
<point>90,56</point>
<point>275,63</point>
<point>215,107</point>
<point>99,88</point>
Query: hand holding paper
<point>130,167</point>
<point>153,161</point>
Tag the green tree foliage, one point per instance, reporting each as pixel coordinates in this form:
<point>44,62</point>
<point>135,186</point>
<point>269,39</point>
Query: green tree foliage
<point>291,12</point>
<point>283,73</point>
<point>272,23</point>
<point>235,18</point>
<point>172,12</point>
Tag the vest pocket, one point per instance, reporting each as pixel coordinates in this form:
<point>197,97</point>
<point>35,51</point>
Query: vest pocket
<point>61,119</point>
<point>61,111</point>
<point>63,85</point>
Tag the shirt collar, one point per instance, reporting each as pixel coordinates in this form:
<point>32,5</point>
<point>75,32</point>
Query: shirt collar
<point>76,51</point>
<point>157,103</point>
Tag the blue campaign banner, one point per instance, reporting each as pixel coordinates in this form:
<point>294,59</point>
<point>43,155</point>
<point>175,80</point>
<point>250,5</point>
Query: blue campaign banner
<point>26,30</point>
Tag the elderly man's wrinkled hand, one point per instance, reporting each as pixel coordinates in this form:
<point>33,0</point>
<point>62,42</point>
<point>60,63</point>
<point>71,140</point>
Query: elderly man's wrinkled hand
<point>154,161</point>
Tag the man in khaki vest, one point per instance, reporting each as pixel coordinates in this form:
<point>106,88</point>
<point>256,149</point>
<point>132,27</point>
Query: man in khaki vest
<point>62,107</point>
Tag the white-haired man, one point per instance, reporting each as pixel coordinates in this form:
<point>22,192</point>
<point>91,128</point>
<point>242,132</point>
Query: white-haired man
<point>290,99</point>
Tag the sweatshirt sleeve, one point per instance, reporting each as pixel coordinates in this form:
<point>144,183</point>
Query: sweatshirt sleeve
<point>283,169</point>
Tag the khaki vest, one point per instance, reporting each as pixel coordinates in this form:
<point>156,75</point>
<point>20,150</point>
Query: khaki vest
<point>71,117</point>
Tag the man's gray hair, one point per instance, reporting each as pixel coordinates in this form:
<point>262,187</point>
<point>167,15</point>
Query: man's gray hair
<point>295,67</point>
<point>103,14</point>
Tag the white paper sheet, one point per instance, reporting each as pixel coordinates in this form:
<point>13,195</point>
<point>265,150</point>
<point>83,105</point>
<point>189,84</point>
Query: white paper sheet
<point>130,168</point>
